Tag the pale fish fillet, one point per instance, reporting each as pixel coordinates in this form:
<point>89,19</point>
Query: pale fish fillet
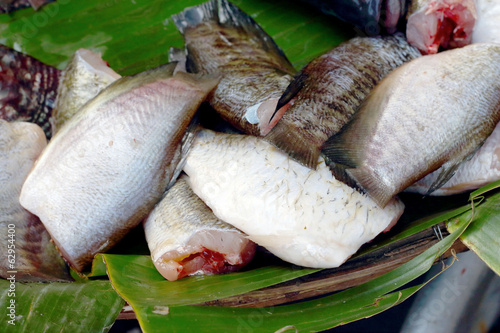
<point>303,216</point>
<point>109,165</point>
<point>487,27</point>
<point>482,169</point>
<point>440,23</point>
<point>186,238</point>
<point>83,78</point>
<point>26,247</point>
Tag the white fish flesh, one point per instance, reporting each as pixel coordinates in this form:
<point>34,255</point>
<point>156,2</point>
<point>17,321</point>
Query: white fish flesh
<point>186,238</point>
<point>26,245</point>
<point>103,172</point>
<point>303,216</point>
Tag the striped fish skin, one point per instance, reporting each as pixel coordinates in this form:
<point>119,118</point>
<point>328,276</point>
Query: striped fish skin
<point>303,216</point>
<point>107,167</point>
<point>35,257</point>
<point>83,78</point>
<point>28,89</point>
<point>221,39</point>
<point>432,112</point>
<point>324,96</point>
<point>186,238</point>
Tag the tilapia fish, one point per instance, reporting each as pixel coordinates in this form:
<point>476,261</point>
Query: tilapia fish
<point>323,97</point>
<point>487,27</point>
<point>303,216</point>
<point>370,16</point>
<point>106,168</point>
<point>440,23</point>
<point>83,78</point>
<point>186,238</point>
<point>431,112</point>
<point>28,89</point>
<point>26,246</point>
<point>220,38</point>
<point>482,169</point>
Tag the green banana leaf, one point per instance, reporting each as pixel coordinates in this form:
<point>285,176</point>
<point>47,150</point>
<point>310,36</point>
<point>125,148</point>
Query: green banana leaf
<point>134,36</point>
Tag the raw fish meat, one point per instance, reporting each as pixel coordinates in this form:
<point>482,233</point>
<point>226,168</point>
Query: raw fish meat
<point>186,238</point>
<point>27,250</point>
<point>221,39</point>
<point>303,216</point>
<point>107,167</point>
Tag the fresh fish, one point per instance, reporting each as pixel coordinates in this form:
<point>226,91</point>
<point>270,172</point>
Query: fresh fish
<point>440,23</point>
<point>107,167</point>
<point>370,16</point>
<point>325,94</point>
<point>28,89</point>
<point>303,216</point>
<point>487,27</point>
<point>82,79</point>
<point>26,246</point>
<point>482,169</point>
<point>431,112</point>
<point>221,39</point>
<point>7,6</point>
<point>186,238</point>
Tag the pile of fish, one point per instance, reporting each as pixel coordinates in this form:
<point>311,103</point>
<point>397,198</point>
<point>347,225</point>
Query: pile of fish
<point>309,169</point>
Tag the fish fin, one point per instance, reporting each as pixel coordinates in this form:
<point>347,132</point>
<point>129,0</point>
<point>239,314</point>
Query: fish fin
<point>339,172</point>
<point>291,91</point>
<point>376,189</point>
<point>297,146</point>
<point>336,151</point>
<point>447,171</point>
<point>178,55</point>
<point>229,15</point>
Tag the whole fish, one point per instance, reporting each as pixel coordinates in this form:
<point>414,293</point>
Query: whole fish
<point>28,89</point>
<point>482,169</point>
<point>430,112</point>
<point>434,24</point>
<point>487,27</point>
<point>186,238</point>
<point>26,246</point>
<point>106,168</point>
<point>83,78</point>
<point>221,39</point>
<point>370,16</point>
<point>303,216</point>
<point>323,97</point>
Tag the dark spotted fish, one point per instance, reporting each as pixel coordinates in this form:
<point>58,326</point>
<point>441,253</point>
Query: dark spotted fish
<point>28,89</point>
<point>325,94</point>
<point>33,256</point>
<point>432,112</point>
<point>221,39</point>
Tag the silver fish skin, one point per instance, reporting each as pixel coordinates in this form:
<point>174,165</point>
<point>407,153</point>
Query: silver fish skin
<point>107,167</point>
<point>222,39</point>
<point>34,257</point>
<point>324,96</point>
<point>186,238</point>
<point>303,216</point>
<point>486,28</point>
<point>432,112</point>
<point>482,169</point>
<point>435,24</point>
<point>83,78</point>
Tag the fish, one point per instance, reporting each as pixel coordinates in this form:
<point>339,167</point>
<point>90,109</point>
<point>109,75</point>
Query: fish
<point>303,216</point>
<point>431,112</point>
<point>480,170</point>
<point>7,6</point>
<point>26,246</point>
<point>370,17</point>
<point>435,24</point>
<point>222,39</point>
<point>326,93</point>
<point>28,89</point>
<point>107,167</point>
<point>186,238</point>
<point>84,77</point>
<point>486,28</point>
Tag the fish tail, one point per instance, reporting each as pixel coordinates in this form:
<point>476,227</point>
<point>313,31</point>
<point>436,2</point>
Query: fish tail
<point>367,181</point>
